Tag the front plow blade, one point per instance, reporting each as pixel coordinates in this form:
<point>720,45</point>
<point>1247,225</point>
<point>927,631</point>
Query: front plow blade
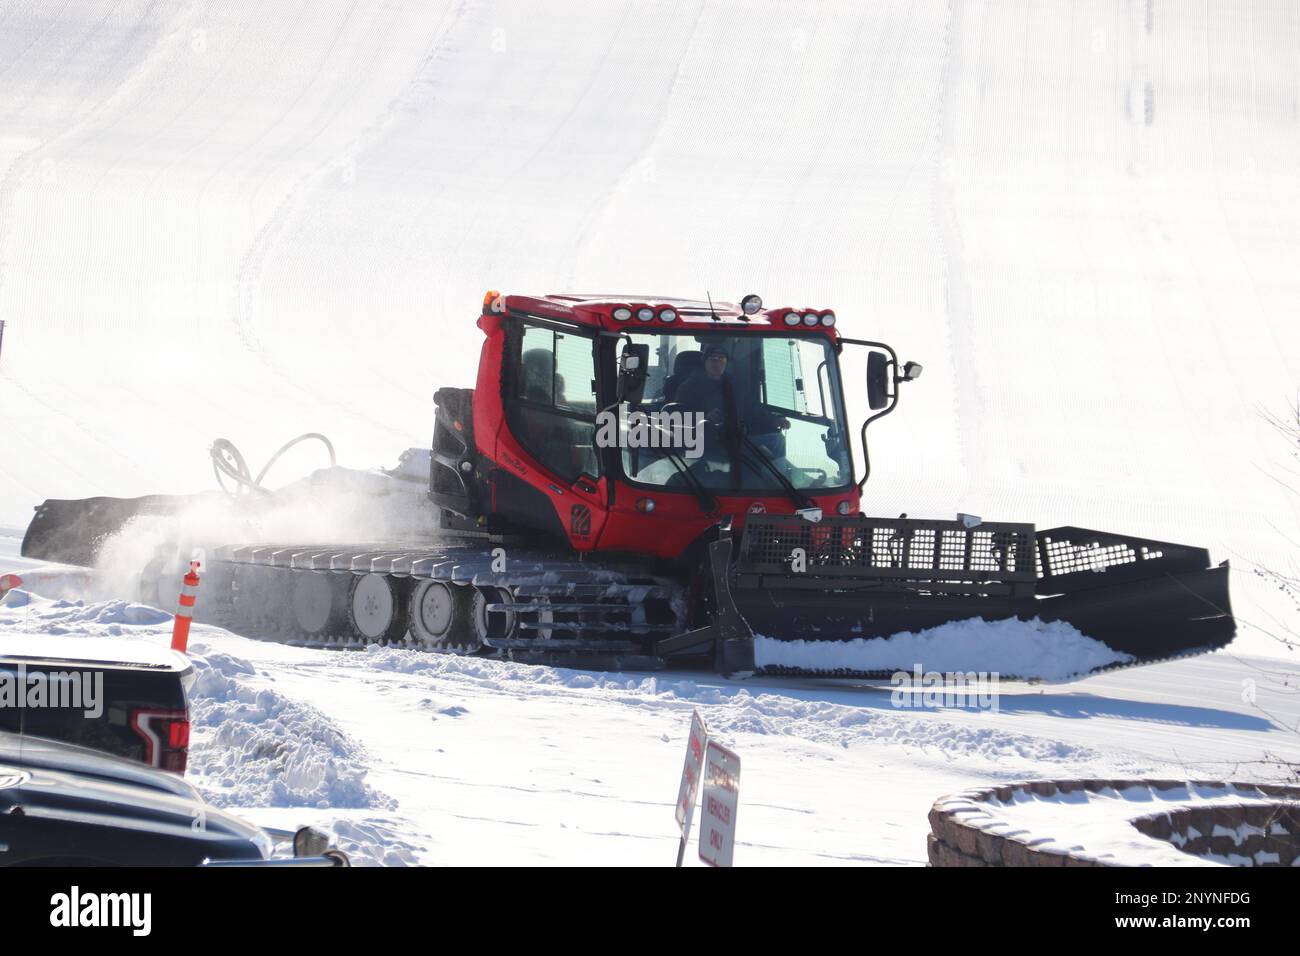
<point>1149,599</point>
<point>845,586</point>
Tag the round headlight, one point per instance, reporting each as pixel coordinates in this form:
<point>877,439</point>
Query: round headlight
<point>751,304</point>
<point>844,507</point>
<point>622,313</point>
<point>828,319</point>
<point>792,318</point>
<point>645,315</point>
<point>668,315</point>
<point>810,319</point>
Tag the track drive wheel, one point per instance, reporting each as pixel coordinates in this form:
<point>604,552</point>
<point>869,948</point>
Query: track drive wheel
<point>374,608</point>
<point>316,603</point>
<point>259,600</point>
<point>441,615</point>
<point>492,624</point>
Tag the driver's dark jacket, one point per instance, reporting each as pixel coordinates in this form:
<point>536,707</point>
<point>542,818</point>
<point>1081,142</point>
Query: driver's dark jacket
<point>699,393</point>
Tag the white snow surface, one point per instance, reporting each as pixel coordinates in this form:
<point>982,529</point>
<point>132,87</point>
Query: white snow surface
<point>1051,650</point>
<point>238,219</point>
<point>415,758</point>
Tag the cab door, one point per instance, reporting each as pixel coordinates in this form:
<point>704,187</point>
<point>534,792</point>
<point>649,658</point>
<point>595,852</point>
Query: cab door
<point>551,404</point>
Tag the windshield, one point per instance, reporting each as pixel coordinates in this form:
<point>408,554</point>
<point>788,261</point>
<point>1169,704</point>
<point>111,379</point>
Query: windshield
<point>780,392</point>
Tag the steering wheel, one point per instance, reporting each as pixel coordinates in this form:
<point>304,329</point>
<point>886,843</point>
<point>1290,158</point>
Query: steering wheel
<point>823,476</point>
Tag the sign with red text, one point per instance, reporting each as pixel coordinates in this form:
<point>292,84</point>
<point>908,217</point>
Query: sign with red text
<point>718,805</point>
<point>690,784</point>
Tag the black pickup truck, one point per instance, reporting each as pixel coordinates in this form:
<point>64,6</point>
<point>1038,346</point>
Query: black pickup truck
<point>122,697</point>
<point>62,805</point>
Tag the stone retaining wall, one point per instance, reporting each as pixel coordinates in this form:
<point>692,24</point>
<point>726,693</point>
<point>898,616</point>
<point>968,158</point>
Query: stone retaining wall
<point>1212,822</point>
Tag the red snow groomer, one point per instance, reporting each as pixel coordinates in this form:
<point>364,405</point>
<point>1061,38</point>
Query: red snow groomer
<point>636,480</point>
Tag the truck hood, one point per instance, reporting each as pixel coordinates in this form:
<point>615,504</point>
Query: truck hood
<point>107,651</point>
<point>43,787</point>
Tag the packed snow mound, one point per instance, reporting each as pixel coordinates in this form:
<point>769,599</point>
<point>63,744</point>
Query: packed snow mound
<point>1047,650</point>
<point>31,624</point>
<point>256,747</point>
<point>374,843</point>
<point>112,612</point>
<point>56,616</point>
<point>251,746</point>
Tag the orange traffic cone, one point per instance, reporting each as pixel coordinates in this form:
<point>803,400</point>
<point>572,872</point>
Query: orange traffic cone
<point>185,613</point>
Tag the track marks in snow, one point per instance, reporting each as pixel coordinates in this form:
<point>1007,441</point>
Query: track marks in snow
<point>730,709</point>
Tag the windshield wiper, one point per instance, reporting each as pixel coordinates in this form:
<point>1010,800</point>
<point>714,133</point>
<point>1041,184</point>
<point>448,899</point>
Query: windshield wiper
<point>794,494</point>
<point>706,500</point>
<point>736,435</point>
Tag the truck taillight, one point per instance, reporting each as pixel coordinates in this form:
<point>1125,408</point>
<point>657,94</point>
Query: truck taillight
<point>166,736</point>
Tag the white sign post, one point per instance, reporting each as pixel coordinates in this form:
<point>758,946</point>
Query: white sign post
<point>690,781</point>
<point>718,805</point>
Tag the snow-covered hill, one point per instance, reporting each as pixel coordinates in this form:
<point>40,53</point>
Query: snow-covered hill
<point>253,220</point>
<point>240,220</point>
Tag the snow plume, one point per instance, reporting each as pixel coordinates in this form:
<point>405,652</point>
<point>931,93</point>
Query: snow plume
<point>330,506</point>
<point>256,747</point>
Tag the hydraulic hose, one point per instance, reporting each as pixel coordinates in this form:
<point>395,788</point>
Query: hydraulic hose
<point>229,461</point>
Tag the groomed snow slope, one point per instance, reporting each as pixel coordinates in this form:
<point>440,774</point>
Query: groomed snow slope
<point>254,220</point>
<point>250,220</point>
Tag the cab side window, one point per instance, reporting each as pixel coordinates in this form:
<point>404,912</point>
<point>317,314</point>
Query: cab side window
<point>553,408</point>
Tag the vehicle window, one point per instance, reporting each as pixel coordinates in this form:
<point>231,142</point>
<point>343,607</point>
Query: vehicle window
<point>779,365</point>
<point>795,375</point>
<point>784,393</point>
<point>553,416</point>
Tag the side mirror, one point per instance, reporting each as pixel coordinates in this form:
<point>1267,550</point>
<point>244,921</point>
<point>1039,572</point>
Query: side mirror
<point>633,367</point>
<point>877,380</point>
<point>310,842</point>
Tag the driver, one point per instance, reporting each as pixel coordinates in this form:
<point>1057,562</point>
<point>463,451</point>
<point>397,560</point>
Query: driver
<point>709,389</point>
<point>706,389</point>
